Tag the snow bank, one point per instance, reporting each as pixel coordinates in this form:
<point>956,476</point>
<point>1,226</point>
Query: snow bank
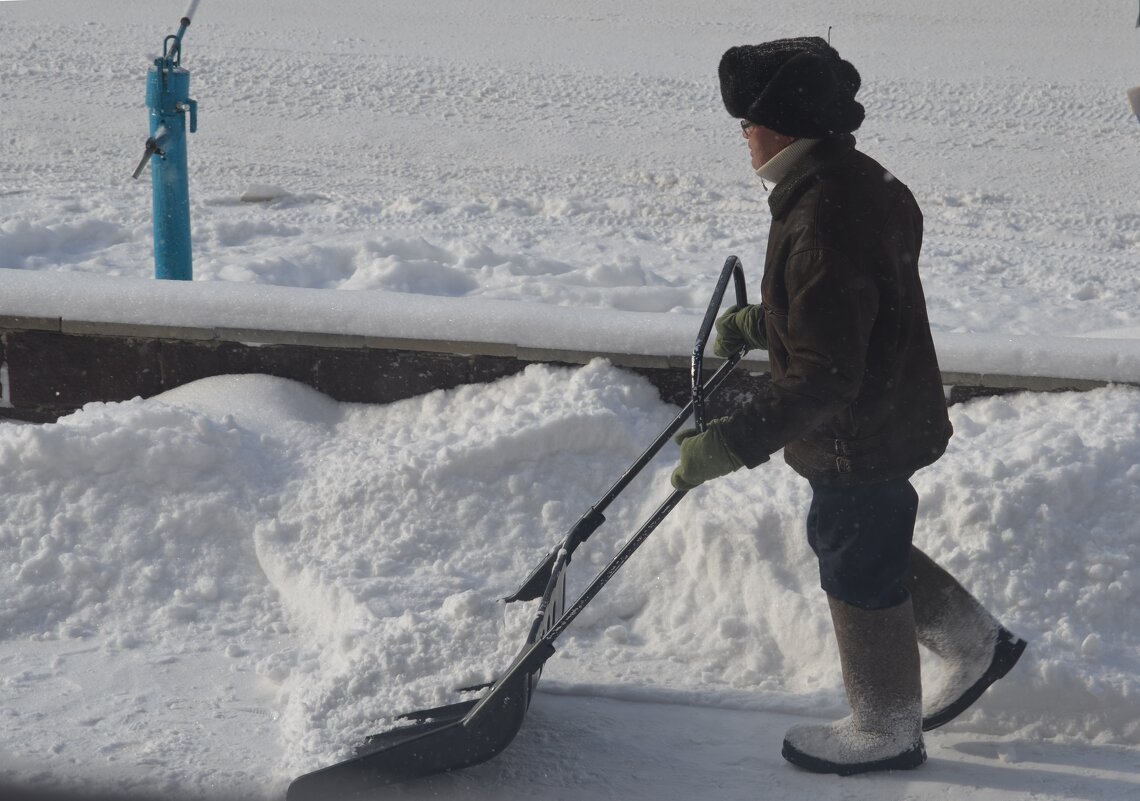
<point>351,555</point>
<point>120,522</point>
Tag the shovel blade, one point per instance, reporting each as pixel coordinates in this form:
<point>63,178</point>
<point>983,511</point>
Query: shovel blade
<point>433,746</point>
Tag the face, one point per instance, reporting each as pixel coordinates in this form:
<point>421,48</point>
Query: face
<point>764,143</point>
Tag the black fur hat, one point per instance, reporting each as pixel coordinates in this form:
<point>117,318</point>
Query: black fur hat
<point>798,87</point>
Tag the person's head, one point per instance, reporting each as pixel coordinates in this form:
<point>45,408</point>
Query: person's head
<point>763,142</point>
<point>790,89</point>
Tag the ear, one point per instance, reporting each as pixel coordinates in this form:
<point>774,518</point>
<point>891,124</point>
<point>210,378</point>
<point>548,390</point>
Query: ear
<point>783,140</point>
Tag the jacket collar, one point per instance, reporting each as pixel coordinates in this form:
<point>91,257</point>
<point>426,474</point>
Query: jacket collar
<point>781,164</point>
<point>805,169</point>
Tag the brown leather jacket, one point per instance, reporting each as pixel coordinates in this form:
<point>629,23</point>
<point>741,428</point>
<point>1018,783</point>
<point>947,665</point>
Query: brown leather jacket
<point>856,394</point>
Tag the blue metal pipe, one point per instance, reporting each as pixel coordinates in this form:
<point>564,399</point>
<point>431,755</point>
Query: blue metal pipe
<point>168,100</point>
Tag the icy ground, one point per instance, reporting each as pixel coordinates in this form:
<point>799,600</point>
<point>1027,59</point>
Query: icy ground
<point>209,592</point>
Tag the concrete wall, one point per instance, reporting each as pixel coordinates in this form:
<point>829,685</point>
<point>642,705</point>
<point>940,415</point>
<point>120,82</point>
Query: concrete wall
<point>51,372</point>
<point>69,339</point>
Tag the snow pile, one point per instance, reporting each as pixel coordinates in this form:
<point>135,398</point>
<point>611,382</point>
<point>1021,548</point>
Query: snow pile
<point>1035,508</point>
<point>120,522</point>
<point>350,556</point>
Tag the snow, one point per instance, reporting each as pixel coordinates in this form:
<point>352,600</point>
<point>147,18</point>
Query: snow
<point>209,592</point>
<point>235,581</point>
<point>207,305</point>
<point>575,157</point>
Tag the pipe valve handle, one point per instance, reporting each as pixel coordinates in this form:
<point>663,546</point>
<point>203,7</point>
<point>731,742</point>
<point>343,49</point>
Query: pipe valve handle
<point>151,148</point>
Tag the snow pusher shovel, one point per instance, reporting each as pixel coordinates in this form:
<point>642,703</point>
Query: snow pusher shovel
<point>470,732</point>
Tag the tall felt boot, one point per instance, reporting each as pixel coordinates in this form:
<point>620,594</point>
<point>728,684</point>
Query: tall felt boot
<point>879,655</point>
<point>974,648</point>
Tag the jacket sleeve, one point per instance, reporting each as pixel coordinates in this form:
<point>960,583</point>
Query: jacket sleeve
<point>831,310</point>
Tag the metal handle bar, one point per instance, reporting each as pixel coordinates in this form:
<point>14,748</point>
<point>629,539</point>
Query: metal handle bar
<point>537,581</point>
<point>732,267</point>
<point>540,643</point>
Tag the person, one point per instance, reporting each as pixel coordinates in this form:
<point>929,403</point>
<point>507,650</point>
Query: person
<point>856,402</point>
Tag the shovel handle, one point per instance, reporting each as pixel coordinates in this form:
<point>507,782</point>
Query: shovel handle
<point>547,577</point>
<point>539,578</point>
<point>734,269</point>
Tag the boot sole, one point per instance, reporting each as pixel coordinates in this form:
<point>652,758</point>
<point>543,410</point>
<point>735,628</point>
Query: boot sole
<point>908,759</point>
<point>1006,653</point>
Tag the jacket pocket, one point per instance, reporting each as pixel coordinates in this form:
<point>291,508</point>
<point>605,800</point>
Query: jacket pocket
<point>772,310</point>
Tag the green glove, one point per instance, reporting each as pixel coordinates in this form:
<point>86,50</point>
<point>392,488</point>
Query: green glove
<point>740,326</point>
<point>703,457</point>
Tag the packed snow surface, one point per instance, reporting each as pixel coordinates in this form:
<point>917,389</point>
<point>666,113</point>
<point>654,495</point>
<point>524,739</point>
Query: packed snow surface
<point>209,592</point>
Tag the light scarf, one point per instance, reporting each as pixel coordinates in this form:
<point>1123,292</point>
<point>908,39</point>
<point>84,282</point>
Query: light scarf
<point>776,168</point>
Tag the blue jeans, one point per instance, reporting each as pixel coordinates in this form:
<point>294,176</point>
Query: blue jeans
<point>862,537</point>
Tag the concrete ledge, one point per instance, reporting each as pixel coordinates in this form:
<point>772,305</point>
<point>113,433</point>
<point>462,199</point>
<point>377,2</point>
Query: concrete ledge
<point>1021,383</point>
<point>51,374</point>
<point>269,337</point>
<point>69,339</point>
<point>502,349</point>
<point>18,323</point>
<point>100,329</point>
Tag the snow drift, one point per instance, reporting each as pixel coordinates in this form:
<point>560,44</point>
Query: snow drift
<point>350,556</point>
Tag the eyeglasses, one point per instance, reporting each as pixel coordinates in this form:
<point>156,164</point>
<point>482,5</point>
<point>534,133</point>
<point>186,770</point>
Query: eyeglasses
<point>747,125</point>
